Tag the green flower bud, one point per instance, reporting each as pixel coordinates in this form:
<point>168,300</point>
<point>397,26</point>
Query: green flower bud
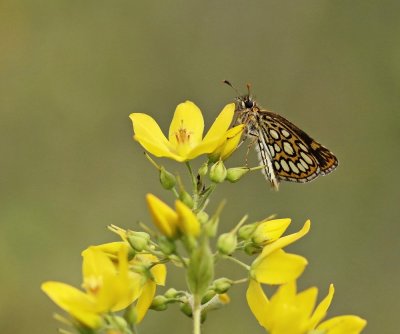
<point>166,245</point>
<point>203,169</point>
<point>186,309</point>
<point>211,226</point>
<point>130,315</point>
<point>120,322</point>
<point>227,243</point>
<point>208,296</point>
<point>200,271</point>
<point>218,172</point>
<point>138,240</point>
<point>235,174</point>
<point>246,231</point>
<point>202,217</point>
<point>171,293</point>
<point>222,285</point>
<point>167,179</point>
<point>251,249</point>
<point>159,303</point>
<point>186,198</point>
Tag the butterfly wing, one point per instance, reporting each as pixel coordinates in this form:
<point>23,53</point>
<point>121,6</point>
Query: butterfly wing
<point>295,156</point>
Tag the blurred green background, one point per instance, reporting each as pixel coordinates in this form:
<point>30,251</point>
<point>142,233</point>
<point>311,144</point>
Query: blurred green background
<point>72,71</point>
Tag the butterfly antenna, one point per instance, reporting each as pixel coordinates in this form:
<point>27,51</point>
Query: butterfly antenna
<point>248,88</point>
<point>234,88</point>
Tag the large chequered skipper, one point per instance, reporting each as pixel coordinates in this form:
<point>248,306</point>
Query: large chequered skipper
<point>286,152</point>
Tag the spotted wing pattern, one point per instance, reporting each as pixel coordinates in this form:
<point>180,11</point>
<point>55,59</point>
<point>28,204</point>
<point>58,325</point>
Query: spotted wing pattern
<point>289,153</point>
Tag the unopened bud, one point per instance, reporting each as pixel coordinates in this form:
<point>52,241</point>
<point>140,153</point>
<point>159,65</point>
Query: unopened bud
<point>251,249</point>
<point>186,198</point>
<point>166,245</point>
<point>159,303</point>
<point>235,174</point>
<point>138,240</point>
<point>202,217</point>
<point>227,243</point>
<point>167,179</point>
<point>171,293</point>
<point>208,296</point>
<point>246,231</point>
<point>203,169</point>
<point>218,172</point>
<point>186,309</point>
<point>222,285</point>
<point>200,271</point>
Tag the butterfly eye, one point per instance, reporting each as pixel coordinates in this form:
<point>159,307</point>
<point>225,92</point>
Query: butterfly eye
<point>249,104</point>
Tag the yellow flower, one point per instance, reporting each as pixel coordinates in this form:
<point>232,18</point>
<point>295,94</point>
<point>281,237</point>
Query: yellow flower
<point>270,230</point>
<point>289,312</point>
<point>274,266</point>
<point>107,288</point>
<point>185,140</point>
<point>170,222</point>
<point>148,278</point>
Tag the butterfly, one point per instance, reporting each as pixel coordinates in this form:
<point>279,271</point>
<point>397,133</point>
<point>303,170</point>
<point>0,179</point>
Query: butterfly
<point>285,152</point>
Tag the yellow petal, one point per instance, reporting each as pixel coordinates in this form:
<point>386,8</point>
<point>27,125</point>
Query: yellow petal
<point>96,264</point>
<point>187,222</point>
<point>221,124</point>
<point>148,132</point>
<point>159,150</point>
<point>345,324</point>
<point>270,230</point>
<point>145,299</point>
<point>258,302</point>
<point>286,240</point>
<point>189,118</point>
<point>322,308</point>
<point>77,303</point>
<point>305,301</point>
<point>229,145</point>
<point>278,268</point>
<point>165,218</point>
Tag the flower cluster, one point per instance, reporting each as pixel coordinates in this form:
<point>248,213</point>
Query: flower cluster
<point>120,278</point>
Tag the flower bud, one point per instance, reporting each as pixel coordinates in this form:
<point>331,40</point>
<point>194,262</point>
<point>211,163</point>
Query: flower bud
<point>246,231</point>
<point>208,296</point>
<point>159,303</point>
<point>200,271</point>
<point>251,249</point>
<point>227,243</point>
<point>167,179</point>
<point>211,226</point>
<point>202,216</point>
<point>171,293</point>
<point>235,174</point>
<point>203,169</point>
<point>222,285</point>
<point>166,245</point>
<point>186,309</point>
<point>218,172</point>
<point>139,241</point>
<point>186,198</point>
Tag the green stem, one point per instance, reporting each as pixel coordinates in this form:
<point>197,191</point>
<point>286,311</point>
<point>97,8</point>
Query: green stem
<point>244,265</point>
<point>196,315</point>
<point>194,186</point>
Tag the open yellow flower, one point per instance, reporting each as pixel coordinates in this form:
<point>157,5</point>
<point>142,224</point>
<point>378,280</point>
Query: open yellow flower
<point>289,312</point>
<point>274,266</point>
<point>107,288</point>
<point>149,279</point>
<point>185,140</point>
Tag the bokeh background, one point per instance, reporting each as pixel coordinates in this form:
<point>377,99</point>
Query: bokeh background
<point>72,71</point>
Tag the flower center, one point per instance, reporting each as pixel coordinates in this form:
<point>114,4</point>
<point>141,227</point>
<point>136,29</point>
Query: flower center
<point>182,136</point>
<point>93,284</point>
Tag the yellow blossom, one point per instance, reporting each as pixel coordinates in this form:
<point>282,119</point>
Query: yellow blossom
<point>107,288</point>
<point>295,313</point>
<point>148,278</point>
<point>270,230</point>
<point>185,140</point>
<point>274,266</point>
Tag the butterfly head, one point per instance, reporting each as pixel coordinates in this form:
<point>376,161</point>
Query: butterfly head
<point>245,102</point>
